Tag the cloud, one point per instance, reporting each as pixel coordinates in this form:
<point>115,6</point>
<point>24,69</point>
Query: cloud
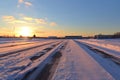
<point>18,21</point>
<point>12,19</point>
<point>53,24</point>
<point>40,21</point>
<point>28,18</point>
<point>35,20</point>
<point>22,19</point>
<point>28,4</point>
<point>8,18</point>
<point>20,1</point>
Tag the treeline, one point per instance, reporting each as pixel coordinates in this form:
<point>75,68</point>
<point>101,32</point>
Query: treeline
<point>116,35</point>
<point>101,36</point>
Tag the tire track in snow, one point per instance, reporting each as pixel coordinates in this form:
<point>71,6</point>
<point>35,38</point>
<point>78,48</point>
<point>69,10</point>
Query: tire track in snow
<point>21,50</point>
<point>24,62</point>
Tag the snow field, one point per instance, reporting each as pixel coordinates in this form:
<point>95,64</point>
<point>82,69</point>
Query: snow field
<point>26,60</point>
<point>98,44</point>
<point>112,44</point>
<point>12,65</point>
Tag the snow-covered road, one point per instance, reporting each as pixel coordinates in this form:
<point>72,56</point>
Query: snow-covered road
<point>77,64</point>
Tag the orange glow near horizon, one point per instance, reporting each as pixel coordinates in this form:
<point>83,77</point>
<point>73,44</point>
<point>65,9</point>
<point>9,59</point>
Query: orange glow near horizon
<point>24,31</point>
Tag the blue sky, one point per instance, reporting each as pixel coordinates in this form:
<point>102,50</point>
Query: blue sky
<point>61,17</point>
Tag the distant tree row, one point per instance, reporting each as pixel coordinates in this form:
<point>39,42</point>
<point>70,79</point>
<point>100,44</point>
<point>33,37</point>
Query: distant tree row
<point>116,35</point>
<point>101,36</point>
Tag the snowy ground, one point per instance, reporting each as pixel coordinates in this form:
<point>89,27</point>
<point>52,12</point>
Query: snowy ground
<point>77,64</point>
<point>18,57</point>
<point>25,59</point>
<point>112,44</point>
<point>109,46</point>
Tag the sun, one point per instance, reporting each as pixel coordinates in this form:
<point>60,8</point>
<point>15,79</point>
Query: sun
<point>25,32</point>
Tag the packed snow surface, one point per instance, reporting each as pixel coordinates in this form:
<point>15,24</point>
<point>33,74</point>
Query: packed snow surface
<point>20,56</point>
<point>109,46</point>
<point>106,62</point>
<point>112,44</point>
<point>77,64</point>
<point>12,65</point>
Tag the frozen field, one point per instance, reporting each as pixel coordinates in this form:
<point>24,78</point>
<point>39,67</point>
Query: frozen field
<point>112,44</point>
<point>59,59</point>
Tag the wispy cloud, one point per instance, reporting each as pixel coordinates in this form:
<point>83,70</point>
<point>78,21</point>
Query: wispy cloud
<point>8,18</point>
<point>18,21</point>
<point>35,20</point>
<point>12,19</point>
<point>22,19</point>
<point>28,18</point>
<point>20,1</point>
<point>26,3</point>
<point>40,21</point>
<point>53,24</point>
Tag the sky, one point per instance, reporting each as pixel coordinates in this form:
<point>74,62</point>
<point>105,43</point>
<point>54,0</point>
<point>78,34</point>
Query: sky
<point>59,17</point>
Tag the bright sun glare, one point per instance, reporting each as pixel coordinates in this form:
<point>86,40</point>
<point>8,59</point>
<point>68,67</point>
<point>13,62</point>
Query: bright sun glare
<point>25,32</point>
